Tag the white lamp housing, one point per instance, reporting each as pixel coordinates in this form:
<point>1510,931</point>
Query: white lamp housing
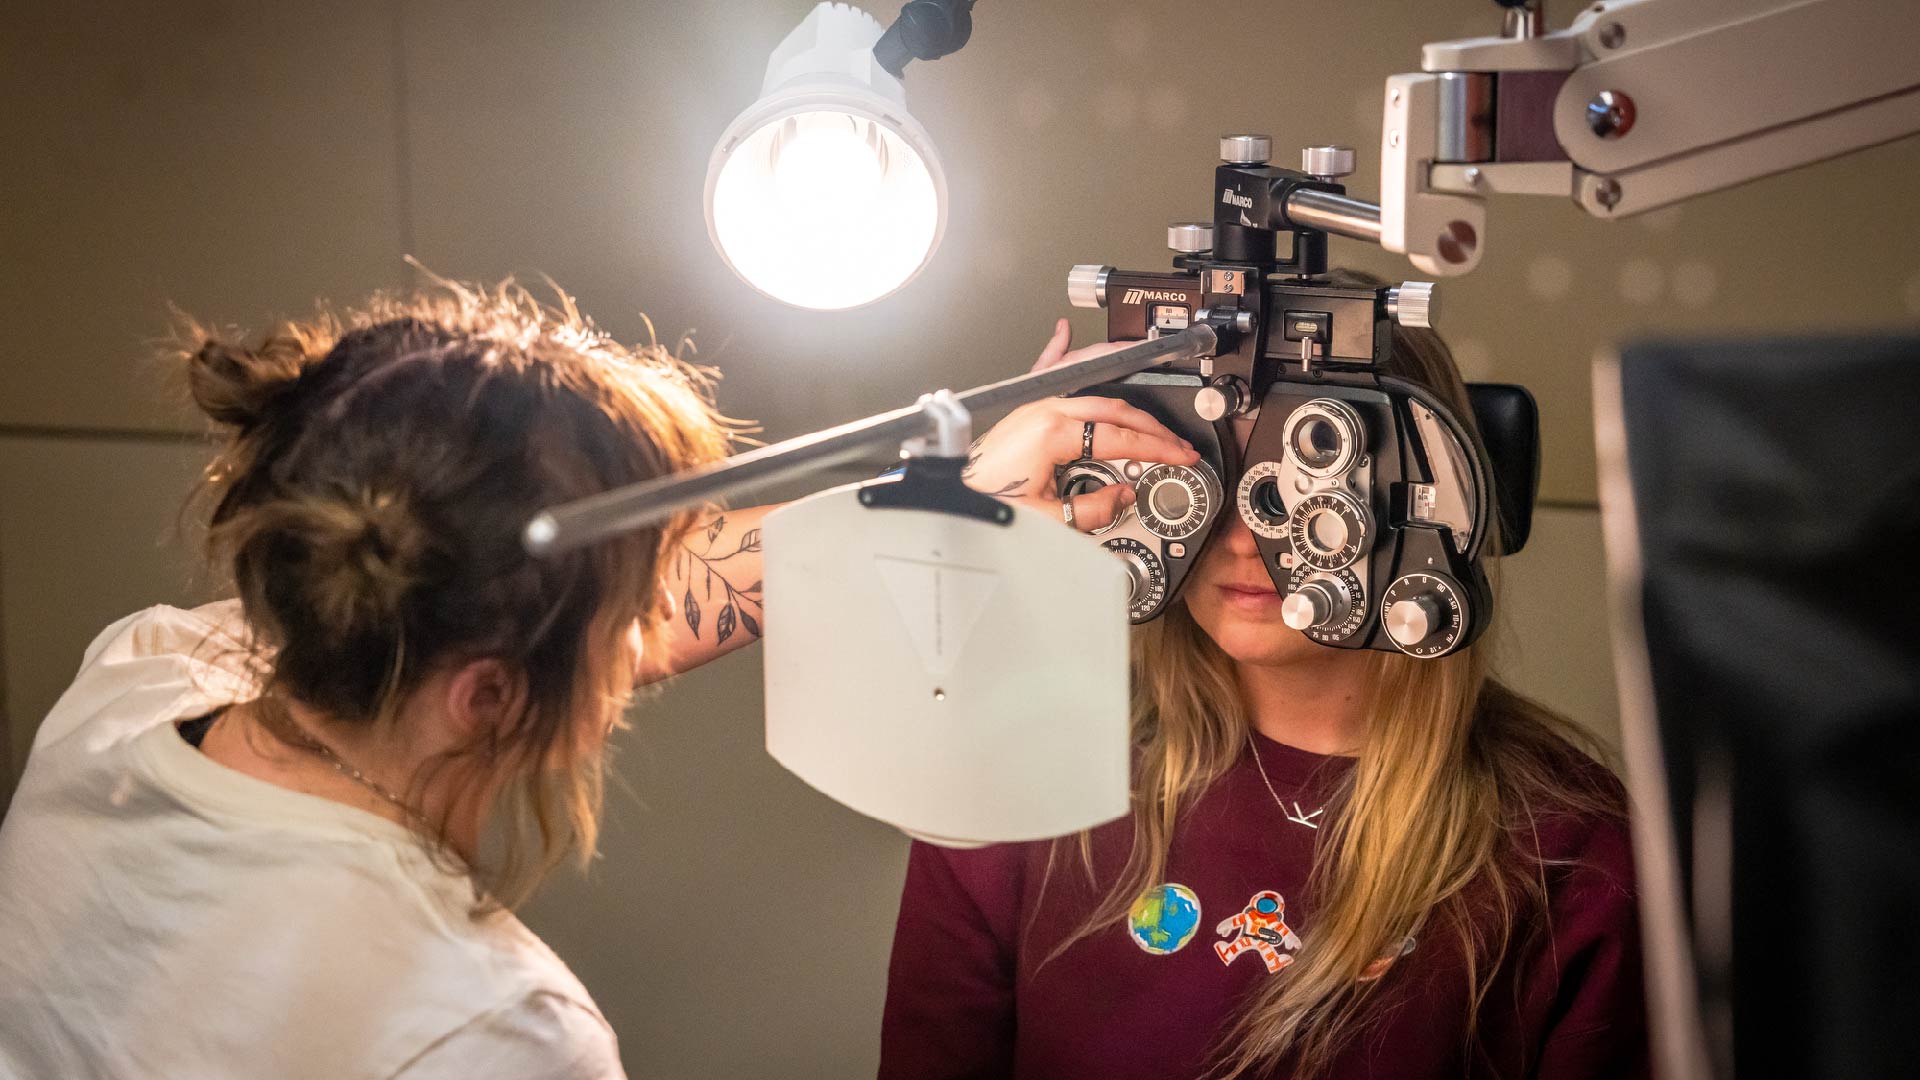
<point>825,193</point>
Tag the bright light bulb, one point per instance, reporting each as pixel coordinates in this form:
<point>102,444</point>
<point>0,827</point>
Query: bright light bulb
<point>825,210</point>
<point>824,193</point>
<point>825,163</point>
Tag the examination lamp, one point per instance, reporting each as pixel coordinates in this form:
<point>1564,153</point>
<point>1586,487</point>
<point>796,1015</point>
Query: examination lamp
<point>825,193</point>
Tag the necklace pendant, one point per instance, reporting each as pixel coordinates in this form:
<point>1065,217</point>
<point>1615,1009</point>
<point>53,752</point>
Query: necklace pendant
<point>1295,815</point>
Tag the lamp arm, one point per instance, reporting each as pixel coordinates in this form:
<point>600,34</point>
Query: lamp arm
<point>924,30</point>
<point>1637,105</point>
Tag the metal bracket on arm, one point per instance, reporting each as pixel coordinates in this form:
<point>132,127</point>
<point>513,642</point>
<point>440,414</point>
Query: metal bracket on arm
<point>1638,104</point>
<point>952,433</point>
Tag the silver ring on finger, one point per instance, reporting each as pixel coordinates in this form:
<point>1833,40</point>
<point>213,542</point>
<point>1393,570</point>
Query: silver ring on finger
<point>1066,512</point>
<point>1086,440</point>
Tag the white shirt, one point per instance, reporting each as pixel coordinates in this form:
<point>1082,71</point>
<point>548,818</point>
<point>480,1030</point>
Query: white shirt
<point>162,915</point>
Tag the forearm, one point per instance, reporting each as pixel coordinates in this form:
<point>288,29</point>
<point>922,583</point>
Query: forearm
<point>713,578</point>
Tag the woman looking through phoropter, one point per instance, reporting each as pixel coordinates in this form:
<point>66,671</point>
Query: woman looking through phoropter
<point>1339,863</point>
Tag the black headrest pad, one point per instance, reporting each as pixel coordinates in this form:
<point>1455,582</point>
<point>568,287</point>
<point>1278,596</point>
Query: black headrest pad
<point>1509,423</point>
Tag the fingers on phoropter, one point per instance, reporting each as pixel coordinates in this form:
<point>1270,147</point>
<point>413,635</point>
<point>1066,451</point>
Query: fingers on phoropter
<point>1112,443</point>
<point>1099,509</point>
<point>1105,410</point>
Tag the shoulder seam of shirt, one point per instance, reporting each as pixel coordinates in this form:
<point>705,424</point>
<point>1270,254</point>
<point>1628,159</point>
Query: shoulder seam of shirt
<point>521,997</point>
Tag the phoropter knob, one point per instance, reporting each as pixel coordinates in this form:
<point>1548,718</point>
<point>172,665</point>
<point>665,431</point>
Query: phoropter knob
<point>1139,577</point>
<point>1411,304</point>
<point>1246,149</point>
<point>1087,285</point>
<point>1426,614</point>
<point>1223,397</point>
<point>1146,577</point>
<point>1327,162</point>
<point>1318,602</point>
<point>1411,622</point>
<point>1190,237</point>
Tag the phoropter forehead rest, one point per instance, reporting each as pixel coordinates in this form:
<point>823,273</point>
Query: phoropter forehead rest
<point>1509,422</point>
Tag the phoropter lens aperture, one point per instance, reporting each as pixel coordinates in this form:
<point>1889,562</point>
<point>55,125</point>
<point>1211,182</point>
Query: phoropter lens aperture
<point>1170,500</point>
<point>1084,477</point>
<point>1267,502</point>
<point>1084,484</point>
<point>1324,437</point>
<point>1318,442</point>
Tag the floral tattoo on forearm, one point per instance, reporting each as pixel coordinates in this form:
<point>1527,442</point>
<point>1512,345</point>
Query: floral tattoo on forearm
<point>734,616</point>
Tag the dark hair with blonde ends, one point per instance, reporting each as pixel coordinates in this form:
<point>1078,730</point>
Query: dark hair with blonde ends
<point>375,473</point>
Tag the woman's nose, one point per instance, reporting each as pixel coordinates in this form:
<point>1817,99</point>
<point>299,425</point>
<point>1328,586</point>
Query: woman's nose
<point>1239,538</point>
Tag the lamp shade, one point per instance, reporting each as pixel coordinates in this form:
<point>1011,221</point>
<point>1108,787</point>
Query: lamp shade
<point>825,193</point>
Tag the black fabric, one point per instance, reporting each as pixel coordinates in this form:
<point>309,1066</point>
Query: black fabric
<point>1509,423</point>
<point>195,730</point>
<point>1777,489</point>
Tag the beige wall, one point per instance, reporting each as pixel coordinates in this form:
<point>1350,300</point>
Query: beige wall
<point>245,159</point>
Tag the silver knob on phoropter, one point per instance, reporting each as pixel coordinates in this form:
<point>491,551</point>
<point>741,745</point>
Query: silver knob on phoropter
<point>1320,601</point>
<point>1087,285</point>
<point>1412,621</point>
<point>1139,577</point>
<point>1327,162</point>
<point>1427,614</point>
<point>1246,149</point>
<point>1190,237</point>
<point>1412,304</point>
<point>1223,397</point>
<point>1307,608</point>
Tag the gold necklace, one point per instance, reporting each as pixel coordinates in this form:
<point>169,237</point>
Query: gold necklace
<point>297,735</point>
<point>1294,813</point>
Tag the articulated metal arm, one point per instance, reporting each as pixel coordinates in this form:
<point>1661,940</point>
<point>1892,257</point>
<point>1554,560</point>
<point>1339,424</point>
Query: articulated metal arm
<point>1638,104</point>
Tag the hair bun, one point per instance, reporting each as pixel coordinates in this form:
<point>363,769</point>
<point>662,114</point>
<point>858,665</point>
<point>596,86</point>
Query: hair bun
<point>238,385</point>
<point>364,556</point>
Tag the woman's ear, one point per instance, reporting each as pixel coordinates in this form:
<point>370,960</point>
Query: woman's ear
<point>485,698</point>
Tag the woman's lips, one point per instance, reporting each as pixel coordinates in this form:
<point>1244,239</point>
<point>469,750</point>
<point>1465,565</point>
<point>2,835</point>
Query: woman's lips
<point>1251,598</point>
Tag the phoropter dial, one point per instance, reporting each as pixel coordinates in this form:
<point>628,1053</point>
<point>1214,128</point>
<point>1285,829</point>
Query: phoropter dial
<point>1146,577</point>
<point>1426,614</point>
<point>1326,607</point>
<point>1176,501</point>
<point>1329,530</point>
<point>1259,501</point>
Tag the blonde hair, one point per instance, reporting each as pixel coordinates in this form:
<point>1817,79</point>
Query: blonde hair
<point>375,470</point>
<point>1452,773</point>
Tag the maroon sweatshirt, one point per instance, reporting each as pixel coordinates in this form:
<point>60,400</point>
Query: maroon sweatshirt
<point>968,996</point>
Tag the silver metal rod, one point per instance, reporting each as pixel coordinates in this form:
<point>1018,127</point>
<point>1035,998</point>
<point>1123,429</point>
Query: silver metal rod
<point>596,517</point>
<point>1195,341</point>
<point>1335,214</point>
